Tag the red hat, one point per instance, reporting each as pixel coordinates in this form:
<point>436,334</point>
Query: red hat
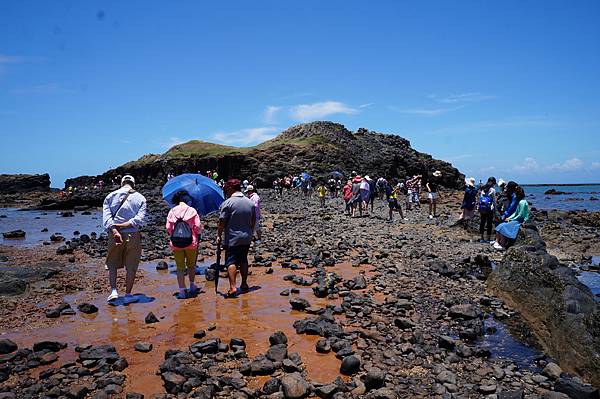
<point>357,179</point>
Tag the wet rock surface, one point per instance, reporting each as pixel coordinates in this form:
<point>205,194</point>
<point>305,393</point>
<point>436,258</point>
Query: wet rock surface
<point>401,308</point>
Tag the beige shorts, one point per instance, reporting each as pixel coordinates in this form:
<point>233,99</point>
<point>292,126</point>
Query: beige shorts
<point>126,255</point>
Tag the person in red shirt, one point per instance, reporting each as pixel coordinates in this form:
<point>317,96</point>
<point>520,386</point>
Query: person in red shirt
<point>347,195</point>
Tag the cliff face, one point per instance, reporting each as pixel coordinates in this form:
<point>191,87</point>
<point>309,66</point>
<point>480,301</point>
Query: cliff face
<point>317,147</point>
<point>12,184</point>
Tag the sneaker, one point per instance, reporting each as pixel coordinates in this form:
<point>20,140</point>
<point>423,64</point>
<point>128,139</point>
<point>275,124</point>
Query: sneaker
<point>430,216</point>
<point>182,295</point>
<point>498,247</point>
<point>113,296</point>
<point>406,219</point>
<point>257,242</point>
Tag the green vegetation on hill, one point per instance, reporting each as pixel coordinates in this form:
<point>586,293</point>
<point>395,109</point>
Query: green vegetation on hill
<point>201,148</point>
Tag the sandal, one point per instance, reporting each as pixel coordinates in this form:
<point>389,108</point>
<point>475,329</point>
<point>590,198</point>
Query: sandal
<point>231,295</point>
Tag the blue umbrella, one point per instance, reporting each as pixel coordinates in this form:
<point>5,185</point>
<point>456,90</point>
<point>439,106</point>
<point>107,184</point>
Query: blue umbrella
<point>206,195</point>
<point>305,176</point>
<point>337,174</point>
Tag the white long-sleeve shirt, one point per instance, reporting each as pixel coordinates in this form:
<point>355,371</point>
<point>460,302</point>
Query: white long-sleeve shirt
<point>133,209</point>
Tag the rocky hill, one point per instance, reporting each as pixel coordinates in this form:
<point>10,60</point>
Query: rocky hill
<point>317,147</point>
<point>11,184</point>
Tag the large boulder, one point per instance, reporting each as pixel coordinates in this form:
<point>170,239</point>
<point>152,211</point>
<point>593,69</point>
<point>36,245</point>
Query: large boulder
<point>559,309</point>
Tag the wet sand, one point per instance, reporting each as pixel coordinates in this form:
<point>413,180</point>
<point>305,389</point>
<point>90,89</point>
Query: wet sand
<point>253,316</point>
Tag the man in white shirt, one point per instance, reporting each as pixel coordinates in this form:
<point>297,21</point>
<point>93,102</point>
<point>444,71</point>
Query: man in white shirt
<point>123,214</point>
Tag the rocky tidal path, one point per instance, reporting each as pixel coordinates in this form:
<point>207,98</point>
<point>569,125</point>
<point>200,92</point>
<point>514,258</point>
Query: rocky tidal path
<point>340,308</point>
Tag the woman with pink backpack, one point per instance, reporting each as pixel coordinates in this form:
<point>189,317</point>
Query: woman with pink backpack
<point>183,226</point>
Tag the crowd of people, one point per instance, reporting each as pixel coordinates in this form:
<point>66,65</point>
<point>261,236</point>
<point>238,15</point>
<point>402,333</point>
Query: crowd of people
<point>501,206</point>
<point>124,213</point>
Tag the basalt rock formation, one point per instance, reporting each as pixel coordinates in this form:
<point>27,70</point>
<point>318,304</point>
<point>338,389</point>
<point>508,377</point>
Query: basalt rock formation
<point>11,184</point>
<point>560,310</point>
<point>318,148</point>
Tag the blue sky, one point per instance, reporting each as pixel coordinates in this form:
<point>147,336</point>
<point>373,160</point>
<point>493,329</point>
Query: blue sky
<point>509,89</point>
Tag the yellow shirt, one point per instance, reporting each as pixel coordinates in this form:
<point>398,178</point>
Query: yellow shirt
<point>322,191</point>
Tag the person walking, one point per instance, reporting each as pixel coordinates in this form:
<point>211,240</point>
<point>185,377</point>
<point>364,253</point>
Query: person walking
<point>487,203</point>
<point>253,196</point>
<point>393,193</point>
<point>236,223</point>
<point>468,203</point>
<point>372,191</point>
<point>365,194</point>
<point>322,193</point>
<point>347,195</point>
<point>356,198</point>
<point>183,226</point>
<point>123,213</point>
<point>432,193</point>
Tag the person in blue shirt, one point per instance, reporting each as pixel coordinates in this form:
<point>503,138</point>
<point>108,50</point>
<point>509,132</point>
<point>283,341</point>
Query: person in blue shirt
<point>510,203</point>
<point>469,202</point>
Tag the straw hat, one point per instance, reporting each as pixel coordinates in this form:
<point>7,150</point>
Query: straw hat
<point>437,173</point>
<point>501,182</point>
<point>250,188</point>
<point>470,181</point>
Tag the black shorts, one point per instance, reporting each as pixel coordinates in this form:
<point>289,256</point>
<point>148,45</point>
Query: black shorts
<point>236,255</point>
<point>393,203</point>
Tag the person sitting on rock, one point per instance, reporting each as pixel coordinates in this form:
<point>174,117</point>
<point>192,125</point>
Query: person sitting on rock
<point>506,233</point>
<point>123,213</point>
<point>183,226</point>
<point>236,221</point>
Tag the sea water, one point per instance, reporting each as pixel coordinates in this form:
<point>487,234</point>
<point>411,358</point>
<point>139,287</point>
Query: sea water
<point>33,222</point>
<point>580,197</point>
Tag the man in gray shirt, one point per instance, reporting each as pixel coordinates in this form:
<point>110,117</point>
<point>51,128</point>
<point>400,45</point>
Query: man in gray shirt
<point>236,220</point>
<point>123,214</point>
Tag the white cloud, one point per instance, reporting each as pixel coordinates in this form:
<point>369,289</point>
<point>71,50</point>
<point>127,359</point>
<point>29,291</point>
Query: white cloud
<point>308,112</point>
<point>460,98</point>
<point>426,112</point>
<point>245,137</point>
<point>271,113</point>
<point>367,105</point>
<point>530,164</point>
<point>567,166</point>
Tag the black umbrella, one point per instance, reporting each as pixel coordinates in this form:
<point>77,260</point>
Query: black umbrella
<point>217,268</point>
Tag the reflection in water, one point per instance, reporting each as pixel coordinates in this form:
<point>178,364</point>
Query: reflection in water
<point>253,317</point>
<point>503,345</point>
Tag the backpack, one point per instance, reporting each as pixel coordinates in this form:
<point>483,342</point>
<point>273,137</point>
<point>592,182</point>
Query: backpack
<point>182,234</point>
<point>485,201</point>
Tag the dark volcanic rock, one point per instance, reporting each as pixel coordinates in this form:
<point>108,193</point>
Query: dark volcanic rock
<point>299,304</point>
<point>10,184</point>
<point>52,346</point>
<point>151,318</point>
<point>294,386</point>
<point>7,346</point>
<point>560,310</point>
<point>325,146</point>
<point>350,365</point>
<point>277,338</point>
<point>87,308</point>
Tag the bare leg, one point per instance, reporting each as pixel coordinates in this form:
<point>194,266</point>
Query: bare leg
<point>231,273</point>
<point>244,274</point>
<point>181,278</point>
<point>434,208</point>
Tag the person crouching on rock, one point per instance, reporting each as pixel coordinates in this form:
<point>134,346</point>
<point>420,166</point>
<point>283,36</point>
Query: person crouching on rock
<point>183,226</point>
<point>506,233</point>
<point>123,213</point>
<point>236,220</point>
